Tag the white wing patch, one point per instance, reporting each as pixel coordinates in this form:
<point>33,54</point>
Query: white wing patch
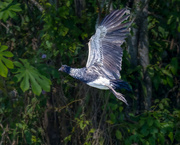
<point>100,83</point>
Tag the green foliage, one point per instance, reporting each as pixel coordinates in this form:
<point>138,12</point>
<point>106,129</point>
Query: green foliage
<point>67,139</point>
<point>118,135</point>
<point>27,74</point>
<point>152,127</point>
<point>8,8</point>
<point>81,122</point>
<point>4,62</point>
<point>155,126</point>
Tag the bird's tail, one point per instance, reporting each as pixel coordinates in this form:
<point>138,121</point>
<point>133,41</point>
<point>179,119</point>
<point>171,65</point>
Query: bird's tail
<point>120,84</point>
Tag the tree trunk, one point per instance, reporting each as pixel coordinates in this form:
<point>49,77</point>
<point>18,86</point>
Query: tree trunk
<point>139,51</point>
<point>79,6</point>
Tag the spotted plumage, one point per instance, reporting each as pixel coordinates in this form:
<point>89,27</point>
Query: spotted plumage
<point>104,62</point>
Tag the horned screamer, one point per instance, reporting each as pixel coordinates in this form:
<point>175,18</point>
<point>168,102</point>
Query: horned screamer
<point>104,62</point>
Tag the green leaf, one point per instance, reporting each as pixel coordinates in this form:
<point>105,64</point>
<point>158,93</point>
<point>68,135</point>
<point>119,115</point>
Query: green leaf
<point>156,101</point>
<point>151,71</point>
<point>68,3</point>
<point>118,135</point>
<point>28,75</point>
<point>35,86</point>
<point>154,32</point>
<point>44,84</point>
<point>144,88</point>
<point>174,65</point>
<point>9,9</point>
<point>113,106</point>
<point>19,125</point>
<point>170,135</point>
<point>15,8</point>
<point>141,122</point>
<point>170,81</point>
<point>153,130</point>
<point>170,19</point>
<point>161,106</point>
<point>144,131</point>
<point>161,138</point>
<point>5,16</point>
<point>19,76</point>
<point>25,83</point>
<point>178,28</point>
<point>157,123</point>
<point>164,81</point>
<point>4,62</point>
<point>134,138</point>
<point>18,64</point>
<point>3,47</point>
<point>162,31</point>
<point>12,14</point>
<point>152,141</point>
<point>1,15</point>
<point>7,54</point>
<point>113,117</point>
<point>8,62</point>
<point>156,81</point>
<point>150,122</point>
<point>3,69</point>
<point>167,73</point>
<point>28,136</point>
<point>120,108</point>
<point>68,138</point>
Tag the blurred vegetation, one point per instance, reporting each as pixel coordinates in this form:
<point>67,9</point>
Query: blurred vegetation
<point>39,105</point>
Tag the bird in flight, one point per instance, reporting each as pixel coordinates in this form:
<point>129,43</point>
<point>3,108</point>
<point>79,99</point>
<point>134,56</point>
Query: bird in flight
<point>104,62</point>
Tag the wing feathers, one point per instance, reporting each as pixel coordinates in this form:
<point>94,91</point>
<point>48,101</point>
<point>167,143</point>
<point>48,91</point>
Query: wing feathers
<point>118,27</point>
<point>108,17</point>
<point>112,54</point>
<point>113,16</point>
<point>117,21</point>
<point>104,46</point>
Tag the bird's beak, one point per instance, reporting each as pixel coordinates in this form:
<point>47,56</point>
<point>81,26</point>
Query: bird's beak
<point>60,69</point>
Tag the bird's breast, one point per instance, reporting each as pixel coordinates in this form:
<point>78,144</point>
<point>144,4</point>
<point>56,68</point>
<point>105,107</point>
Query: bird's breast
<point>100,83</point>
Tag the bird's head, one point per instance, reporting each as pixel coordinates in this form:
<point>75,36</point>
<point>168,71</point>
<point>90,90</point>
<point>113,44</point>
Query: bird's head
<point>65,68</point>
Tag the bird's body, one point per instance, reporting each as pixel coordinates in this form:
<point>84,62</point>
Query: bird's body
<point>105,55</point>
<point>100,83</point>
<point>91,76</point>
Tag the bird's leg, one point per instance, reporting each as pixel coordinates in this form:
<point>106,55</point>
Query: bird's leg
<point>118,95</point>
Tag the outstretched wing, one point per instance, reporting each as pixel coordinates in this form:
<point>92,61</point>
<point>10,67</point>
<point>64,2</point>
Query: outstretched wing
<point>104,46</point>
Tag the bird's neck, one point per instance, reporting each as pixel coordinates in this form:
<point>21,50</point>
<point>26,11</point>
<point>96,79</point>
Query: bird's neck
<point>77,73</point>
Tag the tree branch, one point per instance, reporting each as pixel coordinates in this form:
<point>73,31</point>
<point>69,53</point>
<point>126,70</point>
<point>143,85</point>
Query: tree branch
<point>7,29</point>
<point>37,5</point>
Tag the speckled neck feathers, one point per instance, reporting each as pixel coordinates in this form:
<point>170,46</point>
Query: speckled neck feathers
<point>82,74</point>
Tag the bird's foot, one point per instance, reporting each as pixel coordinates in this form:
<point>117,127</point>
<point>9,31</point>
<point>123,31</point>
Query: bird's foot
<point>121,97</point>
<point>118,95</point>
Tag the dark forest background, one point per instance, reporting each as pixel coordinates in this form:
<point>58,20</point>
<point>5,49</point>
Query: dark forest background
<point>39,105</point>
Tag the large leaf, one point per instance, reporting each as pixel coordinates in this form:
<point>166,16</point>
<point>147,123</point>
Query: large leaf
<point>4,62</point>
<point>8,9</point>
<point>28,76</point>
